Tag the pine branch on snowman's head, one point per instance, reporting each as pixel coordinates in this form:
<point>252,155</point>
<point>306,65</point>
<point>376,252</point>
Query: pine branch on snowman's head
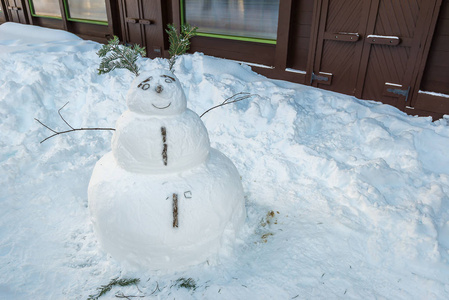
<point>156,92</point>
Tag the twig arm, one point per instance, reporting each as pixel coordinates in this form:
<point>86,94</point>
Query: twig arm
<point>71,130</point>
<point>229,102</point>
<point>45,126</point>
<point>59,112</point>
<point>67,131</point>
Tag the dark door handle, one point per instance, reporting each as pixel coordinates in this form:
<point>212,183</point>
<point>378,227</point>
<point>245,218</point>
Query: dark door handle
<point>342,36</point>
<point>132,20</point>
<point>145,22</point>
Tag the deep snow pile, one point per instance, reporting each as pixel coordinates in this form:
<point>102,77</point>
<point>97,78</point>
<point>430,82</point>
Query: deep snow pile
<point>345,198</point>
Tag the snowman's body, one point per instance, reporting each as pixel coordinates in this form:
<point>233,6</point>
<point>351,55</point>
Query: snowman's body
<point>138,142</point>
<point>163,198</point>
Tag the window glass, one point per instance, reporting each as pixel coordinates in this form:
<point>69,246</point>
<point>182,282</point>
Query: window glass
<point>46,8</point>
<point>244,18</point>
<point>87,9</point>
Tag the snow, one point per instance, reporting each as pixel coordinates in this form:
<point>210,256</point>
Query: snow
<point>393,84</point>
<point>434,94</point>
<point>345,198</point>
<point>295,71</point>
<point>382,36</point>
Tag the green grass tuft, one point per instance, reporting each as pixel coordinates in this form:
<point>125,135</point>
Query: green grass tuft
<point>114,282</point>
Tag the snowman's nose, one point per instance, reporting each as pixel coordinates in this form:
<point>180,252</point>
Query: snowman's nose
<point>159,89</point>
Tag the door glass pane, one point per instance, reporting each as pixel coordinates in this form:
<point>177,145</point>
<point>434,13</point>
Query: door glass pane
<point>245,18</point>
<point>46,8</point>
<point>88,9</point>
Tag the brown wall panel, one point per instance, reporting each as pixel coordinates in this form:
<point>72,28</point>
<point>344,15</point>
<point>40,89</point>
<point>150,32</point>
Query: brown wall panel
<point>98,33</point>
<point>302,13</point>
<point>436,73</point>
<point>3,14</point>
<point>306,41</point>
<point>433,103</point>
<point>237,50</point>
<point>439,58</point>
<point>46,22</point>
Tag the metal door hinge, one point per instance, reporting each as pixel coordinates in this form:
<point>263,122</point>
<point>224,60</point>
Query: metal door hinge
<point>321,77</point>
<point>396,90</point>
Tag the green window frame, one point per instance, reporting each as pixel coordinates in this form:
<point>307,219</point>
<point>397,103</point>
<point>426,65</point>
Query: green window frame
<point>224,36</point>
<point>34,14</point>
<point>67,15</point>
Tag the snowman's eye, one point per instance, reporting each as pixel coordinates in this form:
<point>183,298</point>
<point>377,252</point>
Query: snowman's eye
<point>168,79</point>
<point>144,85</point>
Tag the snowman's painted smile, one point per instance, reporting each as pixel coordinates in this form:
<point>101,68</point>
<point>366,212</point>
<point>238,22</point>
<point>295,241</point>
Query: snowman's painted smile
<point>161,107</point>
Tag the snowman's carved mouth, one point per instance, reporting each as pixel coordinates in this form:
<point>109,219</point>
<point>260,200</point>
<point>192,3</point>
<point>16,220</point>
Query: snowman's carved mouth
<point>161,107</point>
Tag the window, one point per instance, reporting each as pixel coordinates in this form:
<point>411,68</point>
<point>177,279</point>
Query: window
<point>240,19</point>
<point>46,8</point>
<point>94,10</point>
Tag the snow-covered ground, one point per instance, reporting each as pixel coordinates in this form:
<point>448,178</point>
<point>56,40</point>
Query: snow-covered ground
<point>345,198</point>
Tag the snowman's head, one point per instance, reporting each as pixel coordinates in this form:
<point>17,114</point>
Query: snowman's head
<point>156,92</point>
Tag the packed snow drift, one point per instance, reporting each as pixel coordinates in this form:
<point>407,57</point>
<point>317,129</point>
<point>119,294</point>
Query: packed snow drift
<point>346,199</point>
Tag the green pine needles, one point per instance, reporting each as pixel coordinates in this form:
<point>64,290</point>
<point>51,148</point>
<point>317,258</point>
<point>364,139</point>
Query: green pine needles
<point>119,56</point>
<point>179,42</point>
<point>113,55</point>
<point>114,282</point>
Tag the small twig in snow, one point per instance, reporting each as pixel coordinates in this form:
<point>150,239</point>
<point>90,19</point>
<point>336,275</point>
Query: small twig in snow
<point>137,287</point>
<point>121,295</point>
<point>156,289</point>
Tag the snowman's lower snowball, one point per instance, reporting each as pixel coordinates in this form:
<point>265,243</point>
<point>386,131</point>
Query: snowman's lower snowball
<point>132,213</point>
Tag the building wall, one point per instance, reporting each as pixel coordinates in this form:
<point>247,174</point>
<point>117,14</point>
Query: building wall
<point>436,74</point>
<point>301,23</point>
<point>301,52</point>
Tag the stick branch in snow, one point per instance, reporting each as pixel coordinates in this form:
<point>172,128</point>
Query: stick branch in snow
<point>233,99</point>
<point>66,131</point>
<point>121,295</point>
<point>175,210</point>
<point>156,289</point>
<point>59,113</point>
<point>164,143</point>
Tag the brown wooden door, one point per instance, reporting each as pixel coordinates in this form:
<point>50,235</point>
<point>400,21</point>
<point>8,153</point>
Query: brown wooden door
<point>339,44</point>
<point>371,48</point>
<point>3,13</point>
<point>16,11</point>
<point>396,33</point>
<point>143,24</point>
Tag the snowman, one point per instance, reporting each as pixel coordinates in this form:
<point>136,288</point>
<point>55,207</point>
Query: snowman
<point>163,199</point>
